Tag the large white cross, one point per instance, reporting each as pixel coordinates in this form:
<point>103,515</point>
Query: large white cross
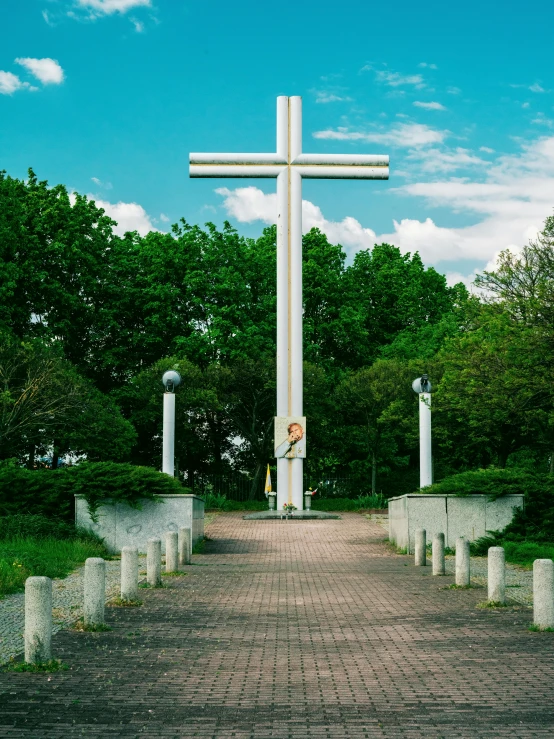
<point>288,165</point>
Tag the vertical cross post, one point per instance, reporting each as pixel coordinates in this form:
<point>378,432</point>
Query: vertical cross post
<point>288,165</point>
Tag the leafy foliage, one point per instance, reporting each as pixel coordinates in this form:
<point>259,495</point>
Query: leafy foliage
<point>50,492</point>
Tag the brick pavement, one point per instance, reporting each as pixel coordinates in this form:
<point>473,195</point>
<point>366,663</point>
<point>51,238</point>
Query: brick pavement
<point>293,630</point>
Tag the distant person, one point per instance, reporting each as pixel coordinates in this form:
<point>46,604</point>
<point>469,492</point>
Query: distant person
<point>294,446</point>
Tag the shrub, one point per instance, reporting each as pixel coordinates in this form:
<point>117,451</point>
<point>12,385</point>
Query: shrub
<point>50,492</point>
<point>494,482</point>
<point>349,504</point>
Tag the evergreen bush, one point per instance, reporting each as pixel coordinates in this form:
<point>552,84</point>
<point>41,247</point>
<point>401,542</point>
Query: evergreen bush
<point>50,492</point>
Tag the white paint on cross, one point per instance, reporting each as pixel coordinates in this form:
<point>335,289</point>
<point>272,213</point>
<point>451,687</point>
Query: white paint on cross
<point>288,165</point>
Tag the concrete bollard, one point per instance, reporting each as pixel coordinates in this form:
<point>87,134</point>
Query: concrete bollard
<point>496,575</point>
<point>438,555</point>
<point>154,563</point>
<point>420,559</point>
<point>185,545</point>
<point>543,593</point>
<point>129,573</point>
<point>38,620</point>
<point>95,592</point>
<point>462,562</point>
<point>171,551</point>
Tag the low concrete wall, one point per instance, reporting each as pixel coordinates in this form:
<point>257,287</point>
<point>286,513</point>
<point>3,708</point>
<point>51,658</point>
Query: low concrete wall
<point>120,525</point>
<point>452,515</point>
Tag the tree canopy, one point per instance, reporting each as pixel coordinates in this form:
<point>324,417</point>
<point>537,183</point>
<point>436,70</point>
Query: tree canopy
<point>90,320</point>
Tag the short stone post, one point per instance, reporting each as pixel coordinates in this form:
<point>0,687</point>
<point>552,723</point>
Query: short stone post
<point>496,575</point>
<point>438,555</point>
<point>95,592</point>
<point>129,573</point>
<point>420,550</point>
<point>272,499</point>
<point>307,501</point>
<point>154,563</point>
<point>462,562</point>
<point>185,545</point>
<point>543,593</point>
<point>38,620</point>
<point>171,551</point>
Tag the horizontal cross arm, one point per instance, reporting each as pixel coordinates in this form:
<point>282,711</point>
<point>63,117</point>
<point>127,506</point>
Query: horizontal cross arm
<point>336,172</point>
<point>237,159</point>
<point>235,170</point>
<point>338,160</point>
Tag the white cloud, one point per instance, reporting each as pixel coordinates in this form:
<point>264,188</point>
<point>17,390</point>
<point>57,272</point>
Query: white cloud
<point>429,66</point>
<point>164,218</point>
<point>453,90</point>
<point>525,105</point>
<point>249,204</point>
<point>47,19</point>
<point>108,7</point>
<point>395,79</point>
<point>429,106</point>
<point>322,96</point>
<point>542,120</point>
<point>537,88</point>
<point>139,26</point>
<point>47,70</point>
<point>401,134</point>
<point>448,160</point>
<point>507,208</point>
<point>486,149</point>
<point>9,83</point>
<point>104,185</point>
<point>129,216</point>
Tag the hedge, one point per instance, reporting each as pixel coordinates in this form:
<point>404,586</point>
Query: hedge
<point>50,492</point>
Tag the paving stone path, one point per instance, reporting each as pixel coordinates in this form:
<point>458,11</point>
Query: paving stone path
<point>294,630</point>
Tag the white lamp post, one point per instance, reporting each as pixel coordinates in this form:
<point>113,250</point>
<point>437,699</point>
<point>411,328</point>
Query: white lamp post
<point>170,381</point>
<point>422,387</point>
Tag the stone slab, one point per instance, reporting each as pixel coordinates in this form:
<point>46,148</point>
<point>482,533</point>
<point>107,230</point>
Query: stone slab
<point>120,525</point>
<point>453,515</point>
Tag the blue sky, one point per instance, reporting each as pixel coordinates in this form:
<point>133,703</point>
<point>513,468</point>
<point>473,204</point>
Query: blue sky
<point>110,96</point>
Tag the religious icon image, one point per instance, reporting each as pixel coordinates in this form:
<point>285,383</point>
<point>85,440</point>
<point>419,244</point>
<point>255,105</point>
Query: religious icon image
<point>290,437</point>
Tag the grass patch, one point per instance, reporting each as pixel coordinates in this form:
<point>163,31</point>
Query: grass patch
<point>92,628</point>
<point>147,586</point>
<point>53,665</point>
<point>491,604</point>
<point>177,573</point>
<point>23,557</point>
<point>124,603</point>
<point>522,553</point>
<point>546,629</point>
<point>460,587</point>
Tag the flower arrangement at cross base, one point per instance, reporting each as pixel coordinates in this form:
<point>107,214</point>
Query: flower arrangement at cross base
<point>289,508</point>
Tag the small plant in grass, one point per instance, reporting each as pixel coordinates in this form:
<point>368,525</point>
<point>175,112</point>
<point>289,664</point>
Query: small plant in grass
<point>124,603</point>
<point>453,586</point>
<point>147,586</point>
<point>536,627</point>
<point>492,604</point>
<point>53,665</point>
<point>92,628</point>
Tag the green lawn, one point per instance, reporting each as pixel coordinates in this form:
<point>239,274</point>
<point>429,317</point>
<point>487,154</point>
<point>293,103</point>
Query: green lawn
<point>21,557</point>
<point>524,553</point>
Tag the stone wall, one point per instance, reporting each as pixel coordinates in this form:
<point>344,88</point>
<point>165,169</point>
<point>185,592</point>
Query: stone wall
<point>452,515</point>
<point>120,525</point>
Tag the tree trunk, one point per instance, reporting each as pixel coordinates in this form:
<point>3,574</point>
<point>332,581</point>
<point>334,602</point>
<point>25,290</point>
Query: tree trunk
<point>31,461</point>
<point>374,475</point>
<point>255,481</point>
